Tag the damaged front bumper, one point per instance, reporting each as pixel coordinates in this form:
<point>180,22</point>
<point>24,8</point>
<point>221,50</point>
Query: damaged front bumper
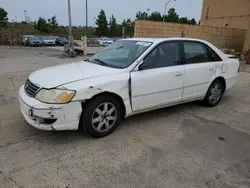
<point>49,116</point>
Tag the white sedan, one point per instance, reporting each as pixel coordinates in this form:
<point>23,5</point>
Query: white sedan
<point>128,77</point>
<point>105,41</point>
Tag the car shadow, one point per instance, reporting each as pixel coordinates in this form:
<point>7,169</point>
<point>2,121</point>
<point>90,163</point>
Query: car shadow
<point>159,113</point>
<point>127,125</point>
<point>62,137</point>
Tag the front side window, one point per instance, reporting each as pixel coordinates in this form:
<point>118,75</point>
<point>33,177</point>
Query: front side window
<point>120,54</point>
<point>196,52</point>
<point>164,55</point>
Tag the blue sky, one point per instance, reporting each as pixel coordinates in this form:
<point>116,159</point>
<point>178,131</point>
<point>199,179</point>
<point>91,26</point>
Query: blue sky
<point>120,8</point>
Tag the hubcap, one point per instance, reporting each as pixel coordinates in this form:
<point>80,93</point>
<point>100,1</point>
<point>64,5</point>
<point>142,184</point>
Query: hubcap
<point>215,93</point>
<point>104,117</point>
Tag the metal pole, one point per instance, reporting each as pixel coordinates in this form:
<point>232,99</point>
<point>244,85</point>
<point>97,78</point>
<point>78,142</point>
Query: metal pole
<point>148,10</point>
<point>165,10</point>
<point>86,18</point>
<point>85,40</point>
<point>70,27</point>
<point>25,16</point>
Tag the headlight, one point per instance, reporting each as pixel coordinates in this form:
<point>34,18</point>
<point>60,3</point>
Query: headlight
<point>55,96</point>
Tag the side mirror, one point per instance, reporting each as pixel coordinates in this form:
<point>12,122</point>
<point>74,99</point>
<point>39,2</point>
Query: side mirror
<point>143,66</point>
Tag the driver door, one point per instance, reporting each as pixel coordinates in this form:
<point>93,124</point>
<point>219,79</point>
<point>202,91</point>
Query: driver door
<point>159,79</point>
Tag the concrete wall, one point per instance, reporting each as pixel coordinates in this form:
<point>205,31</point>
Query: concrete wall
<point>247,38</point>
<point>221,37</point>
<point>226,13</point>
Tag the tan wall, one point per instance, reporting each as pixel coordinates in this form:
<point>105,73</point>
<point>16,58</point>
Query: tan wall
<point>226,13</point>
<point>221,37</point>
<point>247,39</point>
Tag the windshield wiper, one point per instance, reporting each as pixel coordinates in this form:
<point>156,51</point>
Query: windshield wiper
<point>120,47</point>
<point>101,62</point>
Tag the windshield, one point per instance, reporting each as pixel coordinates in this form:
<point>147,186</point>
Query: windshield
<point>34,38</point>
<point>62,38</point>
<point>48,38</point>
<point>120,54</point>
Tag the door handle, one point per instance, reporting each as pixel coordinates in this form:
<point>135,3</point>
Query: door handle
<point>178,74</point>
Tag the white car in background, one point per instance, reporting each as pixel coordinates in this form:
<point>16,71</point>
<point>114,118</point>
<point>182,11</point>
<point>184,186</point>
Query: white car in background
<point>105,41</point>
<point>128,77</point>
<point>49,40</point>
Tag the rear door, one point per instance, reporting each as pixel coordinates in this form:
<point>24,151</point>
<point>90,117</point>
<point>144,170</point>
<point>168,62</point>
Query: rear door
<point>199,69</point>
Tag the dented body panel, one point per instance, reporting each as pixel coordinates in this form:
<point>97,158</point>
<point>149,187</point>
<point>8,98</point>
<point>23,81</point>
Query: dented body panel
<point>66,115</point>
<point>116,84</point>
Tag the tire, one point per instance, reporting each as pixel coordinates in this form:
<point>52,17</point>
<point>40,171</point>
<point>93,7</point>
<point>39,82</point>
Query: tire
<point>214,93</point>
<point>98,122</point>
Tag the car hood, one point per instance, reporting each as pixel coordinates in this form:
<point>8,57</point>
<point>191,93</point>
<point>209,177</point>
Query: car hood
<point>55,76</point>
<point>63,41</point>
<point>35,41</point>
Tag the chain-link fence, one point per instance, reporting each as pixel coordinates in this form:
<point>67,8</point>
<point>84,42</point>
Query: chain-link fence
<point>10,36</point>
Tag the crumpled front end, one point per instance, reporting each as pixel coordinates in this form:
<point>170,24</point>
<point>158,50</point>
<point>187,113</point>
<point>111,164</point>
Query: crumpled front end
<point>49,116</point>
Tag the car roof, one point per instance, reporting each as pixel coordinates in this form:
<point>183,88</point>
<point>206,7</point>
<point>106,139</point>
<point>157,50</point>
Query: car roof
<point>157,40</point>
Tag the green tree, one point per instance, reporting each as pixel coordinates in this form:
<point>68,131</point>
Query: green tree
<point>127,22</point>
<point>183,20</point>
<point>193,21</point>
<point>3,17</point>
<point>113,26</point>
<point>128,26</point>
<point>119,29</point>
<point>102,24</point>
<point>172,16</point>
<point>155,16</point>
<point>53,22</point>
<point>41,25</point>
<point>141,15</point>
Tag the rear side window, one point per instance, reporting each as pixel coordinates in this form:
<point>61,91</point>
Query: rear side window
<point>215,56</point>
<point>196,52</point>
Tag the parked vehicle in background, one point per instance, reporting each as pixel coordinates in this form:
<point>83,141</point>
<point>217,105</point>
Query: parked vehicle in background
<point>116,39</point>
<point>54,37</point>
<point>61,41</point>
<point>48,40</point>
<point>127,77</point>
<point>25,38</point>
<point>33,41</point>
<point>104,41</point>
<point>93,42</point>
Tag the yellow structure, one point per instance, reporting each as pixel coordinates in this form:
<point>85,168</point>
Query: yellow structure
<point>227,14</point>
<point>221,37</point>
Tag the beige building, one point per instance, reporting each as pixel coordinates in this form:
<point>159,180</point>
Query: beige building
<point>227,14</point>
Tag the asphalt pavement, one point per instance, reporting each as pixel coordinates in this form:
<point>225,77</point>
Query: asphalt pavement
<point>185,146</point>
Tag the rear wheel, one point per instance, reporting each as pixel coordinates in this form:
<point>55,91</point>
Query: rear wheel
<point>101,116</point>
<point>214,94</point>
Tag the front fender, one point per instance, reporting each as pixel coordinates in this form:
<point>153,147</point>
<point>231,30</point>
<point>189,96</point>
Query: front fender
<point>88,88</point>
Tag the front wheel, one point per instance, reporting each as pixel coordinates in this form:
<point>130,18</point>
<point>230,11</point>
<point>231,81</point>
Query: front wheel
<point>101,116</point>
<point>214,93</point>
